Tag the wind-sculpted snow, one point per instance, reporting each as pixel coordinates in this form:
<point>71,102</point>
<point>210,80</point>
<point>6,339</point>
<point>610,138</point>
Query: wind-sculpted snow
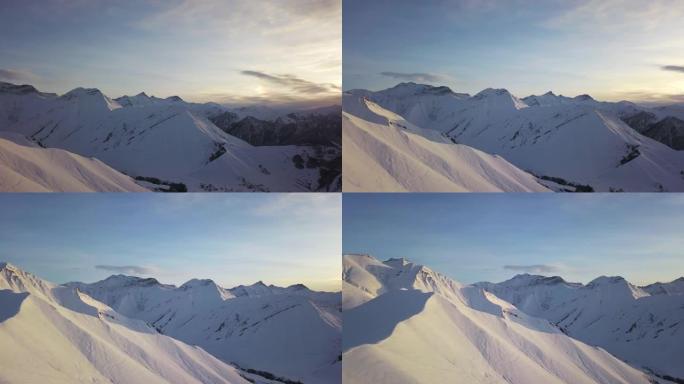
<point>422,327</point>
<point>291,332</point>
<point>26,167</point>
<point>572,143</point>
<point>53,334</point>
<point>384,152</point>
<point>166,144</point>
<point>641,325</point>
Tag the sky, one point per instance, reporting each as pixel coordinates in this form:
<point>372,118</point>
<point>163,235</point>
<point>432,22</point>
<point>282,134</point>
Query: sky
<point>233,239</point>
<point>227,51</point>
<point>611,49</point>
<point>492,237</point>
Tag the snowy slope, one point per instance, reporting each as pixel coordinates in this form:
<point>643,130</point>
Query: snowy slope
<point>291,332</point>
<point>407,324</point>
<point>26,167</point>
<point>164,139</point>
<point>645,329</point>
<point>579,140</point>
<point>54,334</point>
<point>384,152</point>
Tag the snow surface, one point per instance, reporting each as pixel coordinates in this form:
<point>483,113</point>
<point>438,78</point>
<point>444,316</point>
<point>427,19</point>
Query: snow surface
<point>148,137</point>
<point>642,328</point>
<point>405,323</point>
<point>26,167</point>
<point>385,153</point>
<point>291,332</point>
<point>580,140</point>
<point>55,334</point>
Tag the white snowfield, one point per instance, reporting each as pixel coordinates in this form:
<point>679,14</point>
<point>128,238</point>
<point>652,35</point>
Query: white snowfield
<point>577,141</point>
<point>404,323</point>
<point>641,325</point>
<point>26,167</point>
<point>54,334</point>
<point>293,333</point>
<point>148,137</point>
<point>383,152</point>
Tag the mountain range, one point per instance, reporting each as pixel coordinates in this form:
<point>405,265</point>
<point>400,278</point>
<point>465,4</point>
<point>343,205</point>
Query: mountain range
<point>135,330</point>
<point>566,144</point>
<point>404,322</point>
<point>167,144</point>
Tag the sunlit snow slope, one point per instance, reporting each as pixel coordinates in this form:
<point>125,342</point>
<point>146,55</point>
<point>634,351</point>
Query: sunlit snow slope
<point>644,326</point>
<point>291,332</point>
<point>54,334</point>
<point>404,323</point>
<point>573,141</point>
<point>26,167</point>
<point>384,152</point>
<point>164,142</point>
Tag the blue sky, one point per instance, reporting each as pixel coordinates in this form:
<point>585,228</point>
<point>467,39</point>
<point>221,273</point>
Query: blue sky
<point>233,239</point>
<point>611,49</point>
<point>492,237</point>
<point>231,51</point>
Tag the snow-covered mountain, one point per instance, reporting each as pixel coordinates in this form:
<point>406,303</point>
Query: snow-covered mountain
<point>25,166</point>
<point>384,152</point>
<point>641,325</point>
<point>56,334</point>
<point>404,323</point>
<point>292,333</point>
<point>566,141</point>
<point>164,143</point>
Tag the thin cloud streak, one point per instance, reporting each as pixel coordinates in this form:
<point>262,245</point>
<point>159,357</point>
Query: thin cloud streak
<point>293,82</point>
<point>14,75</point>
<point>126,269</point>
<point>673,68</point>
<point>417,77</point>
<point>534,268</point>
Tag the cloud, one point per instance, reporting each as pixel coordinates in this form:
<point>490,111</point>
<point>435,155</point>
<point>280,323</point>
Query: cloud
<point>13,75</point>
<point>673,68</point>
<point>293,83</point>
<point>534,268</point>
<point>418,77</point>
<point>649,98</point>
<point>126,269</point>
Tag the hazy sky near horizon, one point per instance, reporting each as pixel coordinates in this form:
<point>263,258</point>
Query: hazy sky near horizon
<point>228,51</point>
<point>611,49</point>
<point>231,238</point>
<point>492,237</point>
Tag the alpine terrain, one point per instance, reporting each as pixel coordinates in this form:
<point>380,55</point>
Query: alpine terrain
<point>405,323</point>
<point>163,144</point>
<point>567,144</point>
<point>56,334</point>
<point>287,334</point>
<point>641,325</point>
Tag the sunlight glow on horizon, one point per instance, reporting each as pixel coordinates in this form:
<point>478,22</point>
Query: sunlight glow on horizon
<point>213,50</point>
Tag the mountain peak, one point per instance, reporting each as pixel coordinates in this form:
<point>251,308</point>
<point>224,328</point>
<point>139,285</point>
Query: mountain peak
<point>193,283</point>
<point>82,92</point>
<point>17,89</point>
<point>549,93</point>
<point>584,97</point>
<point>603,280</point>
<point>492,92</point>
<point>174,98</point>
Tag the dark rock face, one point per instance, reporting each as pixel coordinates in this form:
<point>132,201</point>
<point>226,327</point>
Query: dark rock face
<point>293,129</point>
<point>669,131</point>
